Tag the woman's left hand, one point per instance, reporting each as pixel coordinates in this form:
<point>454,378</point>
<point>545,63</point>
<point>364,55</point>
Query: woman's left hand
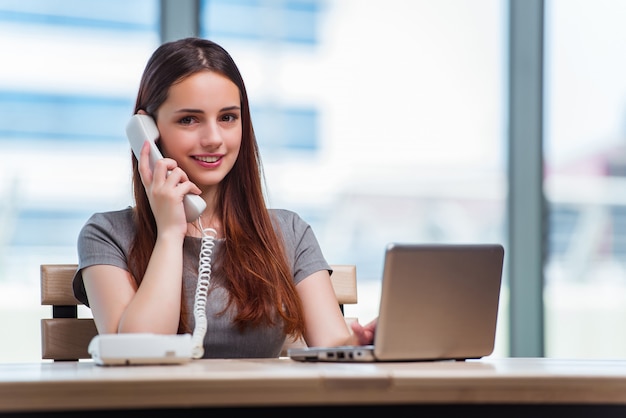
<point>364,334</point>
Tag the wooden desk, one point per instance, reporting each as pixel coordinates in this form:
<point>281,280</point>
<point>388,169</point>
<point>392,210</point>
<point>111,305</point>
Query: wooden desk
<point>489,387</point>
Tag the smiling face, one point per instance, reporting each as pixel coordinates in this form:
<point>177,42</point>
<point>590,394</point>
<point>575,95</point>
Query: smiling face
<point>200,127</point>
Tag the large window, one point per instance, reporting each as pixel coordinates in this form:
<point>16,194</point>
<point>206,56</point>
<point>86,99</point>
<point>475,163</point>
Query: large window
<point>585,184</point>
<point>406,102</point>
<point>68,79</point>
<point>378,121</point>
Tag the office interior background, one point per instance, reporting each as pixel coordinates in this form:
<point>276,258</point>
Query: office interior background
<point>441,121</point>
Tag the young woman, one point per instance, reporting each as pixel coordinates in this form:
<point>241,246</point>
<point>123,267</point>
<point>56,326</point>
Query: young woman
<point>138,267</point>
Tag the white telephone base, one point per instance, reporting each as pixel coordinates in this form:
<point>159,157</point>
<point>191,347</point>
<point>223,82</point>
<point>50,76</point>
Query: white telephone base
<point>140,349</point>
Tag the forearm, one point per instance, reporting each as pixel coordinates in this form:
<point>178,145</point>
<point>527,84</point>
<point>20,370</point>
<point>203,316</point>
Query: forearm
<point>156,306</point>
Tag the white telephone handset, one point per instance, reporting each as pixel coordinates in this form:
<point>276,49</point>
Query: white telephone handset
<point>141,128</point>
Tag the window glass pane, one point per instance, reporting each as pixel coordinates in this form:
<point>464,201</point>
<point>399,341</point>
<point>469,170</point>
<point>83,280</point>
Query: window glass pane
<point>68,80</point>
<point>401,106</point>
<point>585,184</point>
<point>285,21</point>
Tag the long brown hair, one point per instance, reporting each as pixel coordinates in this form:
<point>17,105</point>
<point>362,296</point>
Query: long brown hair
<point>255,268</point>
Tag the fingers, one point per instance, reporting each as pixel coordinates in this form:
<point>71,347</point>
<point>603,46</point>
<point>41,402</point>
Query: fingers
<point>166,185</point>
<point>144,164</point>
<point>163,168</point>
<point>171,179</point>
<point>364,334</point>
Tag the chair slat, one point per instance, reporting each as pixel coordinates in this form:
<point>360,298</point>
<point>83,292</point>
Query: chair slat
<point>66,338</point>
<point>56,284</point>
<point>344,283</point>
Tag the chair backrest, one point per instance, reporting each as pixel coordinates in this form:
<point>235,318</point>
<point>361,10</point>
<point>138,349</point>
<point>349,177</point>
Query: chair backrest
<point>66,336</point>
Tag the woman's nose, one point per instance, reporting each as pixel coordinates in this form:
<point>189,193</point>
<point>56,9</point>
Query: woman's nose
<point>211,136</point>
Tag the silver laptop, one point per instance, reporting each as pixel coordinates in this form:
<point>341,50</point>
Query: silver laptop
<point>438,302</point>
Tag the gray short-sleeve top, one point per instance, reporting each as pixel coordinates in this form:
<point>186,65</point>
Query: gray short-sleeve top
<point>106,239</point>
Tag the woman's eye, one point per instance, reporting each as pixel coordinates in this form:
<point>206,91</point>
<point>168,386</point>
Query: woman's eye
<point>186,120</point>
<point>229,118</point>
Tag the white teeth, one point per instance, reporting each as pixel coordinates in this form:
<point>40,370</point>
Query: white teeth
<point>207,159</point>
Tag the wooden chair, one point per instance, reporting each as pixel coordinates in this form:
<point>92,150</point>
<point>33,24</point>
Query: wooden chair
<point>66,336</point>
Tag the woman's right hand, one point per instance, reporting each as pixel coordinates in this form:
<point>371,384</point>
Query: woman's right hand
<point>166,187</point>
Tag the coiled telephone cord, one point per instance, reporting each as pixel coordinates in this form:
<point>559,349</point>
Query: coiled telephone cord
<point>202,288</point>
